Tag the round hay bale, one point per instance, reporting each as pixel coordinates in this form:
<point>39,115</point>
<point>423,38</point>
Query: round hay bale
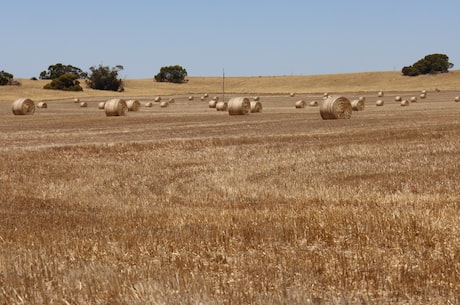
<point>380,94</point>
<point>256,107</point>
<point>405,103</point>
<point>172,101</point>
<point>379,103</point>
<point>335,107</point>
<point>292,94</point>
<point>212,103</point>
<point>413,99</point>
<point>190,98</point>
<point>221,106</point>
<point>202,98</point>
<point>101,105</point>
<point>164,104</point>
<point>423,91</point>
<point>76,100</point>
<point>115,107</point>
<point>239,106</point>
<point>357,105</point>
<point>23,106</point>
<point>437,90</point>
<point>362,99</point>
<point>255,98</point>
<point>422,95</point>
<point>216,98</point>
<point>205,95</point>
<point>300,104</point>
<point>42,105</point>
<point>457,99</point>
<point>398,98</point>
<point>157,99</point>
<point>326,94</point>
<point>148,104</point>
<point>133,105</point>
<point>313,104</point>
<point>83,104</point>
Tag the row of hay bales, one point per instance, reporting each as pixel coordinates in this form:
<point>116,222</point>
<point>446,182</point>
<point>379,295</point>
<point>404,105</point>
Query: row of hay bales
<point>237,105</point>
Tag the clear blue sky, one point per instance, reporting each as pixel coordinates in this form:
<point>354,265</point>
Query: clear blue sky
<point>244,37</point>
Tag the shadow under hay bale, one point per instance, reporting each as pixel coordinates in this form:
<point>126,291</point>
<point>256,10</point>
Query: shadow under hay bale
<point>23,106</point>
<point>239,106</point>
<point>335,107</point>
<point>115,107</point>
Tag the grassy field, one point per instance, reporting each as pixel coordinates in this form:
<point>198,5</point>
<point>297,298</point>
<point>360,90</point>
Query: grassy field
<point>187,205</point>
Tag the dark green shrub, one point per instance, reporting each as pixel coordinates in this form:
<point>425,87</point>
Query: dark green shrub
<point>66,82</point>
<point>57,70</point>
<point>5,78</point>
<point>105,78</point>
<point>430,64</point>
<point>172,74</point>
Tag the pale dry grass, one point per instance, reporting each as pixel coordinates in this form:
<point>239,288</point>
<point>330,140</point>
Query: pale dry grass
<point>187,205</point>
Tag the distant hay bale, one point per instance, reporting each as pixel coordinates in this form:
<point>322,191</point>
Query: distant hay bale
<point>325,95</point>
<point>221,106</point>
<point>149,104</point>
<point>300,104</point>
<point>42,105</point>
<point>115,107</point>
<point>313,104</point>
<point>256,107</point>
<point>422,95</point>
<point>357,105</point>
<point>380,94</point>
<point>133,105</point>
<point>212,103</point>
<point>157,99</point>
<point>239,106</point>
<point>202,98</point>
<point>23,106</point>
<point>255,98</point>
<point>379,103</point>
<point>457,99</point>
<point>292,94</point>
<point>437,90</point>
<point>398,98</point>
<point>335,107</point>
<point>190,98</point>
<point>405,103</point>
<point>171,101</point>
<point>413,99</point>
<point>101,105</point>
<point>423,91</point>
<point>83,104</point>
<point>76,100</point>
<point>362,99</point>
<point>216,98</point>
<point>205,95</point>
<point>164,104</point>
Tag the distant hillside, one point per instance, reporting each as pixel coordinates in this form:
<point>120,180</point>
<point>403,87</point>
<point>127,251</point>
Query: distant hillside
<point>308,84</point>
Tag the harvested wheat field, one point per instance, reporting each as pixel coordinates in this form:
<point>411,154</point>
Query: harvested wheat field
<point>189,205</point>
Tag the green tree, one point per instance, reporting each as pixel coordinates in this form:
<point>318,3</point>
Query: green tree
<point>430,64</point>
<point>66,82</point>
<point>172,74</point>
<point>57,70</point>
<point>105,78</point>
<point>5,78</point>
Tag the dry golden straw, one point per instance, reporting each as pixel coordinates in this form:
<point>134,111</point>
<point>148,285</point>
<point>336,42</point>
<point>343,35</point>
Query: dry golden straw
<point>357,105</point>
<point>115,107</point>
<point>42,105</point>
<point>23,106</point>
<point>239,106</point>
<point>335,107</point>
<point>221,106</point>
<point>133,105</point>
<point>300,104</point>
<point>256,107</point>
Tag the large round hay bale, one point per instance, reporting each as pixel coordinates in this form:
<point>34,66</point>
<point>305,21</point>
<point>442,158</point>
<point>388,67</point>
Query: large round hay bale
<point>313,104</point>
<point>42,105</point>
<point>221,106</point>
<point>23,106</point>
<point>335,107</point>
<point>133,105</point>
<point>115,107</point>
<point>457,99</point>
<point>379,103</point>
<point>300,104</point>
<point>405,103</point>
<point>212,103</point>
<point>357,105</point>
<point>380,94</point>
<point>239,106</point>
<point>398,98</point>
<point>164,104</point>
<point>256,107</point>
<point>101,105</point>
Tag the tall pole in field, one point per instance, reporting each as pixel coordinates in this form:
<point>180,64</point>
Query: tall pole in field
<point>223,85</point>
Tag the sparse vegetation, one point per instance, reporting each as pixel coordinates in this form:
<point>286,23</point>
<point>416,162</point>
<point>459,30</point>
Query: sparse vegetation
<point>58,70</point>
<point>430,64</point>
<point>6,78</point>
<point>65,82</point>
<point>105,78</point>
<point>172,74</point>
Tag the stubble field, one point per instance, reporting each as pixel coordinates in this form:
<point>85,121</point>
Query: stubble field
<point>187,205</point>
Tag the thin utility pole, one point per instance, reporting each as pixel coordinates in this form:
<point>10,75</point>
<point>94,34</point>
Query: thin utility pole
<point>223,85</point>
